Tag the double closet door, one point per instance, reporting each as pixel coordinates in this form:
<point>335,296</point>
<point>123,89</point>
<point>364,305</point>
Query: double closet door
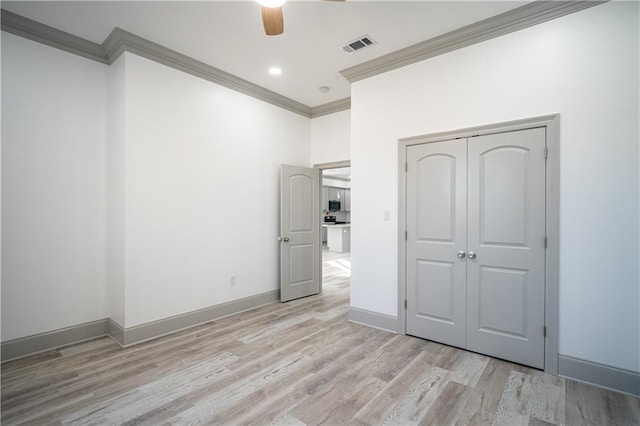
<point>476,244</point>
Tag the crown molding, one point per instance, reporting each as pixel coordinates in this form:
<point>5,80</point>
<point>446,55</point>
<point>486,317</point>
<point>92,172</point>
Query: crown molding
<point>331,107</point>
<point>120,41</point>
<point>41,33</point>
<point>517,19</point>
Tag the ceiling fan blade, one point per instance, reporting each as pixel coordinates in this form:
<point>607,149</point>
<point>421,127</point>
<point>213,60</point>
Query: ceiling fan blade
<point>273,20</point>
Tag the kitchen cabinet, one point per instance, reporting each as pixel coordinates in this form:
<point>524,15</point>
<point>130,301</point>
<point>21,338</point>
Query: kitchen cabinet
<point>341,198</point>
<point>338,238</point>
<point>344,195</point>
<point>345,200</point>
<point>325,198</point>
<point>334,193</point>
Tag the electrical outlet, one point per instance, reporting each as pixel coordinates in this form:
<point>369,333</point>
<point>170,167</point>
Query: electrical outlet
<point>386,215</point>
<point>232,281</point>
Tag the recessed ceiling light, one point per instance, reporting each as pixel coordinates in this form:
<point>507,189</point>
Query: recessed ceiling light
<point>324,89</point>
<point>275,71</point>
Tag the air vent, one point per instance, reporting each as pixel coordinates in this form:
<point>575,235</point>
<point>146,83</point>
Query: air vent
<point>359,44</point>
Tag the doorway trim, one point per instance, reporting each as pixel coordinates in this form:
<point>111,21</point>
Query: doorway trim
<point>551,123</point>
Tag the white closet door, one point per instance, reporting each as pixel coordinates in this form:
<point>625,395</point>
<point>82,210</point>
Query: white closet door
<point>436,232</point>
<point>506,231</point>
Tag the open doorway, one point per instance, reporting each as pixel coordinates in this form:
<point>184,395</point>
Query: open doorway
<point>335,215</point>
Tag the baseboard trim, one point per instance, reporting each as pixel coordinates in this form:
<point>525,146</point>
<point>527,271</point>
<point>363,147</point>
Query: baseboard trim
<point>155,329</point>
<point>373,319</point>
<point>38,343</point>
<point>42,342</point>
<point>115,331</point>
<point>601,375</point>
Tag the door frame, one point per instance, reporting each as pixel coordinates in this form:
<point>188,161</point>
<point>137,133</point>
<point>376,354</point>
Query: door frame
<point>324,166</point>
<point>551,123</point>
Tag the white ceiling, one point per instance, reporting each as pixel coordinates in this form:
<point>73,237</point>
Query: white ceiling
<point>229,35</point>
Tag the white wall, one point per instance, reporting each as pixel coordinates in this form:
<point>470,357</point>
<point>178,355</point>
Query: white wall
<point>133,191</point>
<point>53,180</point>
<point>201,175</point>
<point>330,138</point>
<point>583,66</point>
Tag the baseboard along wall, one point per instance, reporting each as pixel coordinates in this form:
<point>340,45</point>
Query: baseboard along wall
<point>30,345</point>
<point>373,319</point>
<point>601,375</point>
<point>38,343</point>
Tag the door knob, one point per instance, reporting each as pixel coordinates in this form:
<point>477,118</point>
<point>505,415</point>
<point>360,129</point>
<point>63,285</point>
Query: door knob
<point>472,255</point>
<point>461,254</point>
<point>285,239</point>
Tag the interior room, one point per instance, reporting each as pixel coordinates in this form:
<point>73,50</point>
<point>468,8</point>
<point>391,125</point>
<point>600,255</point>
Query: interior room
<point>487,152</point>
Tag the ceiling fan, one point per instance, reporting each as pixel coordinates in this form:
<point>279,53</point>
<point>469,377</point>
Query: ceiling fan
<point>272,18</point>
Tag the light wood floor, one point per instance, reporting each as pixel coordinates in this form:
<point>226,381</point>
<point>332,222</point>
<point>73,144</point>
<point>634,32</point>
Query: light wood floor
<point>296,363</point>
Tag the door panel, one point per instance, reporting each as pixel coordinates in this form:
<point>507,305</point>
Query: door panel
<point>301,213</point>
<point>436,231</point>
<point>435,290</point>
<point>503,174</point>
<point>299,232</point>
<point>435,215</point>
<point>505,288</point>
<point>301,263</point>
<point>506,229</point>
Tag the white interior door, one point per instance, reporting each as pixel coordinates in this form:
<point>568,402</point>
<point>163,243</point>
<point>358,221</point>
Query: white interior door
<point>436,232</point>
<point>299,232</point>
<point>506,231</point>
<point>476,244</point>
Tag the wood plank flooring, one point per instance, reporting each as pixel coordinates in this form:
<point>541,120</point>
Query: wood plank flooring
<point>296,363</point>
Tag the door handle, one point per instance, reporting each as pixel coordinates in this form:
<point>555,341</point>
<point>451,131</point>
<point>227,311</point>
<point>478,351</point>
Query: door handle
<point>472,255</point>
<point>461,254</point>
<point>285,239</point>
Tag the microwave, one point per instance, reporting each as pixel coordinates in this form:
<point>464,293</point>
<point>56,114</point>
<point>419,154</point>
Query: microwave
<point>334,205</point>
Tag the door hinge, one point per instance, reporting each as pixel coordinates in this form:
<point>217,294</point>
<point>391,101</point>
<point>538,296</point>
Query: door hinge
<point>405,303</point>
<point>406,167</point>
<point>406,235</point>
<point>544,331</point>
<point>546,152</point>
<point>545,242</point>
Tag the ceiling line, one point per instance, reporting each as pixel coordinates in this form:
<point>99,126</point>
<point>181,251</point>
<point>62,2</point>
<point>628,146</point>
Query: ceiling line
<point>120,41</point>
<point>513,20</point>
<point>331,107</point>
<point>53,37</point>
